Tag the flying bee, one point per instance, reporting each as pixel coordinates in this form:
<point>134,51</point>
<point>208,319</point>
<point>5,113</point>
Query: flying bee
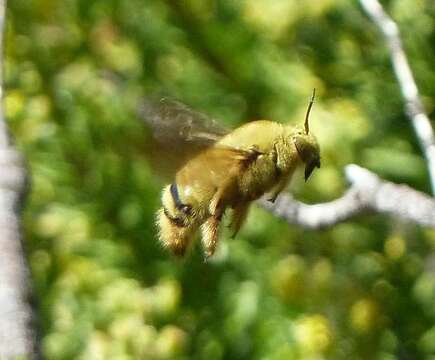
<point>233,170</point>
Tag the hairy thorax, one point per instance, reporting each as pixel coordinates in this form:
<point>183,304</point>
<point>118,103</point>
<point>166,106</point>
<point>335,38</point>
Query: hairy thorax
<point>277,157</point>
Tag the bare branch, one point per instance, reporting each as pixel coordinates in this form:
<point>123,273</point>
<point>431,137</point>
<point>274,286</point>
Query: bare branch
<point>368,194</point>
<point>413,104</point>
<point>17,335</point>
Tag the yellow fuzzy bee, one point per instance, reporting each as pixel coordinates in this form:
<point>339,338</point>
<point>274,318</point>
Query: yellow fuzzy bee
<point>232,171</point>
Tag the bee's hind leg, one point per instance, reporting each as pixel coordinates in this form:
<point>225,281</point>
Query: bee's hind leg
<point>210,231</point>
<point>239,215</point>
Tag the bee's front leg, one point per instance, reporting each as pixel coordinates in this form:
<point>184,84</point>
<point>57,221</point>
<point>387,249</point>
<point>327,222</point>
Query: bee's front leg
<point>279,188</point>
<point>283,172</point>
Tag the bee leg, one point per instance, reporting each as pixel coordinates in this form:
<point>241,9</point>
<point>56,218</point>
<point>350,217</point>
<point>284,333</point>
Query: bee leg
<point>215,203</point>
<point>283,177</point>
<point>209,231</point>
<point>240,213</point>
<point>220,197</point>
<point>277,189</point>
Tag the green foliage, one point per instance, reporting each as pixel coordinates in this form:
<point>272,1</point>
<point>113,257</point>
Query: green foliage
<point>75,70</point>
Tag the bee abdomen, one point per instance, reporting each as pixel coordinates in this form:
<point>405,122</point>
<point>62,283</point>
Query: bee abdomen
<point>177,221</point>
<point>172,235</point>
<point>176,224</point>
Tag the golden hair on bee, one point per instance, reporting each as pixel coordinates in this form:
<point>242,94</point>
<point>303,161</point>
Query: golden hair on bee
<point>257,158</point>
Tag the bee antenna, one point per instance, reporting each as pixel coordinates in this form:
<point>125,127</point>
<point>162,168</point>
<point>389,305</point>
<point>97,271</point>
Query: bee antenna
<point>310,105</point>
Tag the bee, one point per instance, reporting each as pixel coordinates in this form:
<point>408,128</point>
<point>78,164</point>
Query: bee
<point>232,171</point>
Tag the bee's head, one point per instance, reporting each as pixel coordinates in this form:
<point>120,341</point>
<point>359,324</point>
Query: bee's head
<point>308,151</point>
<point>306,144</point>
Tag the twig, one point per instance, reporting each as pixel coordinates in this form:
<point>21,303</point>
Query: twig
<point>368,194</point>
<point>17,333</point>
<point>413,104</point>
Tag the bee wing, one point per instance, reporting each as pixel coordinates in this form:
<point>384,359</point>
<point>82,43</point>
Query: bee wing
<point>216,165</point>
<point>178,133</point>
<point>174,123</point>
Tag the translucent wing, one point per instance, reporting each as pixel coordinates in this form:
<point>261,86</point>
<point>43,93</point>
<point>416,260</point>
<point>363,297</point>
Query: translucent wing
<point>179,132</point>
<point>173,122</point>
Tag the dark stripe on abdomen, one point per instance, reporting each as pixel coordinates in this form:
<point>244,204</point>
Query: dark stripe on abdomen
<point>179,222</point>
<point>176,197</point>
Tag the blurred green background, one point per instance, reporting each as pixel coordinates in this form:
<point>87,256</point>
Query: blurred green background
<point>75,71</point>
